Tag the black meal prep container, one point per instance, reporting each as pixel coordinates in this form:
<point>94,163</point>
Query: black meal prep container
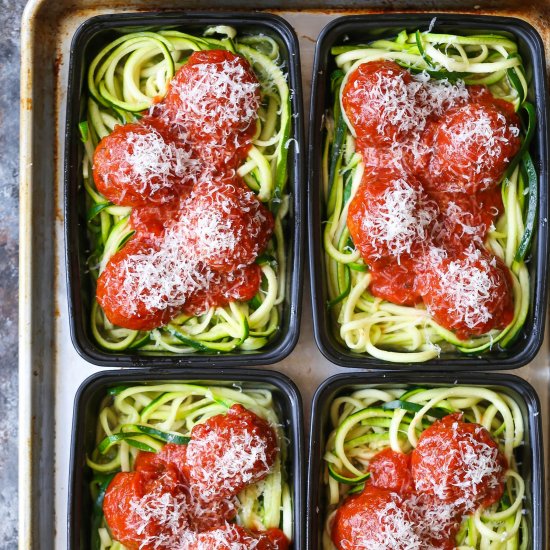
<point>87,41</point>
<point>93,390</point>
<point>364,28</point>
<point>530,456</point>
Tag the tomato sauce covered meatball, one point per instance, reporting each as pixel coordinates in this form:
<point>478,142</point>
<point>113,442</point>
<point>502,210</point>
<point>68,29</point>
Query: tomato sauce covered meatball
<point>389,218</point>
<point>459,462</point>
<point>130,506</point>
<point>142,163</point>
<point>230,451</point>
<point>214,99</point>
<point>391,470</point>
<point>469,292</point>
<point>233,537</point>
<point>470,148</point>
<point>376,100</point>
<point>230,225</point>
<point>382,519</point>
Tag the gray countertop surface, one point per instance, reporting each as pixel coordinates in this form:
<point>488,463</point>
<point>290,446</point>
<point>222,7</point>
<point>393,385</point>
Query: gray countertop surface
<point>10,24</point>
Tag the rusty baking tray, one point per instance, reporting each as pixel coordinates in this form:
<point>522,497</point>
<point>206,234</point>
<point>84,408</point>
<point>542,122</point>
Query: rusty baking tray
<point>50,369</point>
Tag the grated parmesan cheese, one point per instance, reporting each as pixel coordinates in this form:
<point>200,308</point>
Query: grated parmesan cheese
<point>240,457</point>
<point>460,467</point>
<point>391,526</point>
<point>471,146</point>
<point>153,162</point>
<point>403,103</point>
<point>228,225</point>
<point>229,537</point>
<point>399,220</point>
<point>214,98</point>
<point>168,522</point>
<point>456,222</point>
<point>466,284</point>
<point>435,521</point>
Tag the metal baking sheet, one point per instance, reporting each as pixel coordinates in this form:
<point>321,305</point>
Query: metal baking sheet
<point>49,368</point>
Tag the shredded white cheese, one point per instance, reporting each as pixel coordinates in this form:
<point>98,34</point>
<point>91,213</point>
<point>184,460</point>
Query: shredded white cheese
<point>411,522</point>
<point>460,468</point>
<point>467,145</point>
<point>399,220</point>
<point>239,459</point>
<point>466,284</point>
<point>153,162</point>
<point>216,98</point>
<point>405,102</point>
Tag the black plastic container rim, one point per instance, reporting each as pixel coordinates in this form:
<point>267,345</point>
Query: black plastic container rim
<point>533,424</point>
<point>322,321</point>
<point>295,432</point>
<point>286,340</point>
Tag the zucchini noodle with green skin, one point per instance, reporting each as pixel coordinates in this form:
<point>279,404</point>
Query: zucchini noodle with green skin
<point>372,419</point>
<point>402,333</point>
<point>146,418</point>
<point>127,78</point>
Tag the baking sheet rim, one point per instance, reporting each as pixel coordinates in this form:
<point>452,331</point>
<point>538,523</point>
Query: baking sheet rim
<point>27,380</point>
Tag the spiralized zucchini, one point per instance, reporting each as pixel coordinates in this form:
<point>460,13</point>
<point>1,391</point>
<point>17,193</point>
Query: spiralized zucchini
<point>395,333</point>
<point>125,79</point>
<point>144,418</point>
<point>361,426</point>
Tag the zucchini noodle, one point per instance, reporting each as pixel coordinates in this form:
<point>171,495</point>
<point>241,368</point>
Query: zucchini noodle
<point>144,418</point>
<point>367,324</point>
<point>125,79</point>
<point>361,426</point>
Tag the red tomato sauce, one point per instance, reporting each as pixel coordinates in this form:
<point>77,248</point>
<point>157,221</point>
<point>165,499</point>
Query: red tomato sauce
<point>177,498</point>
<point>391,470</point>
<point>459,462</point>
<point>141,163</point>
<point>364,99</point>
<point>395,282</point>
<point>453,287</point>
<point>432,175</point>
<point>229,536</point>
<point>218,455</point>
<point>178,166</point>
<point>422,497</point>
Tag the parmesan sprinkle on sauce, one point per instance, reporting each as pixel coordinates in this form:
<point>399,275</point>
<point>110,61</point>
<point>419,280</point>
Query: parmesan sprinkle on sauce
<point>400,219</point>
<point>467,284</point>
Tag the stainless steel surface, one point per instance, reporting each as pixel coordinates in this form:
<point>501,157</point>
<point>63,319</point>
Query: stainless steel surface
<point>50,370</point>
